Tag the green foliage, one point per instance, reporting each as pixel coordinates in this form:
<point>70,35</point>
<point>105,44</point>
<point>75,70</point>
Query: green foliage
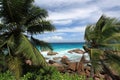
<point>20,19</point>
<point>67,76</point>
<point>42,74</point>
<point>103,43</point>
<point>6,76</point>
<point>27,76</point>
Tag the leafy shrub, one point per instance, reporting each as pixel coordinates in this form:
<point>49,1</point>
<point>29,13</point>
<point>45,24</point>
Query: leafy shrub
<point>46,73</point>
<point>7,76</point>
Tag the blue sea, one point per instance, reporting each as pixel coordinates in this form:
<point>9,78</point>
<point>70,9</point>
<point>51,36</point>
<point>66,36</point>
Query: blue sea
<point>62,50</point>
<point>66,46</point>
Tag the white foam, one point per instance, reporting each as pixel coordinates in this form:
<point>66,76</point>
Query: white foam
<point>72,57</point>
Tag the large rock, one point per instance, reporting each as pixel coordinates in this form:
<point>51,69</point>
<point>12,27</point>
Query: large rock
<point>60,67</point>
<point>76,66</point>
<point>72,66</point>
<point>65,60</point>
<point>52,53</point>
<point>51,62</point>
<point>76,51</point>
<point>56,58</point>
<point>79,67</point>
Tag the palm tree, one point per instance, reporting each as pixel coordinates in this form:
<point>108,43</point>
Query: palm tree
<point>103,45</point>
<point>19,20</point>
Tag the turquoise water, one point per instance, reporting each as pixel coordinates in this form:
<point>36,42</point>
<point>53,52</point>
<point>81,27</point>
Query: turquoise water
<point>62,50</point>
<point>66,46</point>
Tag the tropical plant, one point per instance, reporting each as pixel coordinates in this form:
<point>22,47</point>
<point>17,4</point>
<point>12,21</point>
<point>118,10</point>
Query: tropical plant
<point>21,19</point>
<point>103,45</point>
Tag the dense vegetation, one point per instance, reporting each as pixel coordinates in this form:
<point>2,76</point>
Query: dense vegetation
<point>48,73</point>
<point>20,19</point>
<point>103,46</point>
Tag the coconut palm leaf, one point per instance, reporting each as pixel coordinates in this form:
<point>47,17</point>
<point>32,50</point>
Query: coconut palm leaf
<point>43,45</point>
<point>29,51</point>
<point>96,55</point>
<point>112,46</point>
<point>19,17</point>
<point>11,8</point>
<point>115,37</point>
<point>40,27</point>
<point>14,64</point>
<point>35,14</point>
<point>89,31</point>
<point>101,38</point>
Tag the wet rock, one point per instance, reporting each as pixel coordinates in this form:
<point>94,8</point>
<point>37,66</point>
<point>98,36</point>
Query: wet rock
<point>87,73</point>
<point>88,68</point>
<point>60,67</point>
<point>76,51</point>
<point>52,53</point>
<point>56,58</point>
<point>79,67</point>
<point>72,66</point>
<point>51,62</point>
<point>65,60</point>
<point>70,51</point>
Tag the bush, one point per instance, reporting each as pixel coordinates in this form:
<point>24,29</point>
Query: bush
<point>7,76</point>
<point>46,73</point>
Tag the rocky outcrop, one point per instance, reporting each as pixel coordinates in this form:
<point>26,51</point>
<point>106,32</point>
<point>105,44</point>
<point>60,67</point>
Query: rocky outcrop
<point>51,62</point>
<point>56,58</point>
<point>65,60</point>
<point>59,67</point>
<point>72,66</point>
<point>76,51</point>
<point>77,68</point>
<point>51,53</point>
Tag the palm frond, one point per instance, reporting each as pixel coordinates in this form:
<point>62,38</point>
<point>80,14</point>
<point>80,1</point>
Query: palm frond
<point>35,14</point>
<point>11,8</point>
<point>14,64</point>
<point>89,32</point>
<point>43,45</point>
<point>29,51</point>
<point>96,53</point>
<point>114,38</point>
<point>111,46</point>
<point>41,27</point>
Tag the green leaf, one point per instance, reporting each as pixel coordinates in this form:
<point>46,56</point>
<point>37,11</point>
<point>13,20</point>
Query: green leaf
<point>40,27</point>
<point>43,45</point>
<point>30,52</point>
<point>14,64</point>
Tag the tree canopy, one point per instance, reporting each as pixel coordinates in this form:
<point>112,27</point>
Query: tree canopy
<point>21,19</point>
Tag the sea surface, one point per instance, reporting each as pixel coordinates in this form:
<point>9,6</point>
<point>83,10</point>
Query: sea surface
<point>62,50</point>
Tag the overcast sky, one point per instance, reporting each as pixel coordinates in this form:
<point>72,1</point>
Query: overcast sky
<point>71,17</point>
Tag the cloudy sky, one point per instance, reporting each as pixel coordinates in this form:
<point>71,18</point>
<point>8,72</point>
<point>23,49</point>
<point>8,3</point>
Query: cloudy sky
<point>71,17</point>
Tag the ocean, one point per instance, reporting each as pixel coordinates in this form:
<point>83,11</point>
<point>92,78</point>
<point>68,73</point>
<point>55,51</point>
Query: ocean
<point>62,50</point>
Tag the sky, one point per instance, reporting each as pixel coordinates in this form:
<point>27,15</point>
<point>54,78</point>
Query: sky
<point>71,17</point>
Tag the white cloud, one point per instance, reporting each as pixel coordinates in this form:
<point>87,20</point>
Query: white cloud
<point>53,38</point>
<point>62,22</point>
<point>64,12</point>
<point>108,3</point>
<point>74,13</point>
<point>112,14</point>
<point>58,3</point>
<point>74,29</point>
